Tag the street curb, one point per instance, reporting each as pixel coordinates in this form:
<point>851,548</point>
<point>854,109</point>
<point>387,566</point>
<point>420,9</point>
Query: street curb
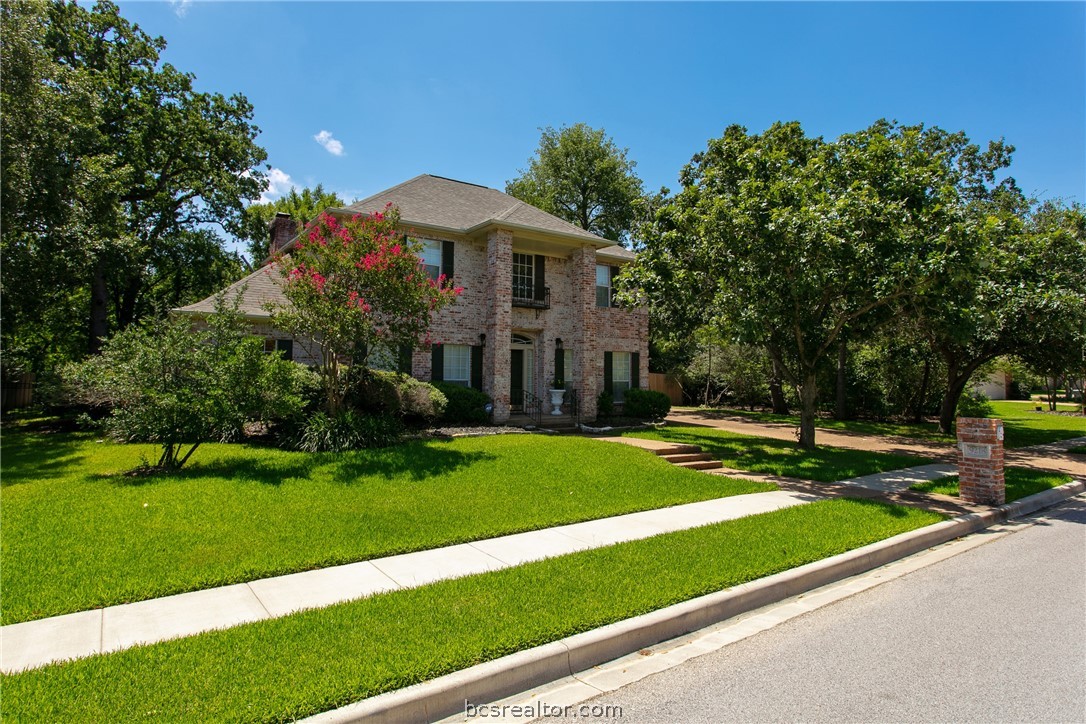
<point>446,695</point>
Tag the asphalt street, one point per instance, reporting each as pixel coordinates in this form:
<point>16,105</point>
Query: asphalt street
<point>996,634</point>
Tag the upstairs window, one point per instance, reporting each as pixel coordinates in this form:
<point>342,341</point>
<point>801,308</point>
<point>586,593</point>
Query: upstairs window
<point>436,258</point>
<point>523,276</point>
<point>605,287</point>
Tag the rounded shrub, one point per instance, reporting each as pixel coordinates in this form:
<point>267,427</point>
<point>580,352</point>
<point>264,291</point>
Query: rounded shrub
<point>465,406</point>
<point>646,404</point>
<point>974,404</point>
<point>394,393</point>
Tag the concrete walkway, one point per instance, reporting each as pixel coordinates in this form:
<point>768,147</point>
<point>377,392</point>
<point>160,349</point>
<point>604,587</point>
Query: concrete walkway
<point>37,643</point>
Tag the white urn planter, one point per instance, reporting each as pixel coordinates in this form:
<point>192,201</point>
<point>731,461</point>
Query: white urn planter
<point>557,396</point>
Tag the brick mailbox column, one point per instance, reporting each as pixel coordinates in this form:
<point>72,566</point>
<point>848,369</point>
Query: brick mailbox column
<point>980,461</point>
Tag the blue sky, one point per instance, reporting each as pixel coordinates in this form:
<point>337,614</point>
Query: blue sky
<point>460,90</point>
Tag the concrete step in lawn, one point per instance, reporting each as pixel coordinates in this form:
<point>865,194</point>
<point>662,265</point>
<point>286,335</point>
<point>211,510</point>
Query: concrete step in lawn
<point>691,457</point>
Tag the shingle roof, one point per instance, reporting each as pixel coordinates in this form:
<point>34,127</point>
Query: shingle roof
<point>262,287</point>
<point>462,207</point>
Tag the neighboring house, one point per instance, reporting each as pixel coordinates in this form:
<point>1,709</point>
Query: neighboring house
<point>996,386</point>
<point>538,301</point>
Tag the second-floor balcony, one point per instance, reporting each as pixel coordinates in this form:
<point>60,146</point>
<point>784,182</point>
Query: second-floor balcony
<point>529,296</point>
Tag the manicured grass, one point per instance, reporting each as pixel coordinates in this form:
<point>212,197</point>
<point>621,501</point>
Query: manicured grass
<point>1020,483</point>
<point>309,662</point>
<point>77,534</point>
<point>1077,450</point>
<point>923,430</point>
<point>781,457</point>
<point>1024,426</point>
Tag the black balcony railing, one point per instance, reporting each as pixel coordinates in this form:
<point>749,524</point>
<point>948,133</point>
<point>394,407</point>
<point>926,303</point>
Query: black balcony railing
<point>525,296</point>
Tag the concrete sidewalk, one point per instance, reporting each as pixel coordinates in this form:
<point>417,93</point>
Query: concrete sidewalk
<point>36,643</point>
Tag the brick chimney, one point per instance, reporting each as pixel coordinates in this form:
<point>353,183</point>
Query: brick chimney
<point>281,229</point>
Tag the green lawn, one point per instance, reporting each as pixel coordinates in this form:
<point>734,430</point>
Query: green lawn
<point>1020,483</point>
<point>1023,425</point>
<point>317,660</point>
<point>924,430</point>
<point>1077,450</point>
<point>78,535</point>
<point>780,457</point>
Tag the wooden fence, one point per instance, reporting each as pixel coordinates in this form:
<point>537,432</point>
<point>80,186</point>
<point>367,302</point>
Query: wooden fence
<point>667,384</point>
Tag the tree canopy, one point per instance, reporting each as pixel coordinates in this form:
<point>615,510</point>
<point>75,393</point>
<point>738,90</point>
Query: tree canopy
<point>302,206</point>
<point>579,174</point>
<point>116,172</point>
<point>788,241</point>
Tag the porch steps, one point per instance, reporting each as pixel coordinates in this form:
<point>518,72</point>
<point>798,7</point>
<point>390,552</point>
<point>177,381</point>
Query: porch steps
<point>690,457</point>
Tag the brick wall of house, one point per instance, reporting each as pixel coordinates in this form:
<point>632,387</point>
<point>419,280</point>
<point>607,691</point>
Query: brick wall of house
<point>484,269</point>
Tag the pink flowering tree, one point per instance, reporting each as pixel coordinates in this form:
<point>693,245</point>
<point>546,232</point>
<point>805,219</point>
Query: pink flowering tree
<point>355,284</point>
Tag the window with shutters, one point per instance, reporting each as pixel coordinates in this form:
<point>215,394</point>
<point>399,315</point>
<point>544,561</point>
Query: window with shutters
<point>284,347</point>
<point>431,258</point>
<point>457,364</point>
<point>523,277</point>
<point>605,290</point>
<point>383,357</point>
<point>529,283</point>
<point>620,375</point>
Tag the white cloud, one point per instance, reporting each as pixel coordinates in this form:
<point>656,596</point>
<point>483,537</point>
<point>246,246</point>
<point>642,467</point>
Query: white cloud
<point>278,184</point>
<point>181,7</point>
<point>330,144</point>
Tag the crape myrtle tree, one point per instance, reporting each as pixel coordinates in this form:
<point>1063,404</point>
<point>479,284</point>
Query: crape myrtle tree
<point>785,241</point>
<point>116,171</point>
<point>579,174</point>
<point>355,284</point>
<point>302,205</point>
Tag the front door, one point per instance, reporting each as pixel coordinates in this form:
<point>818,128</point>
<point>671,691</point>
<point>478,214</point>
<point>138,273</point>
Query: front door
<point>521,363</point>
<point>516,379</point>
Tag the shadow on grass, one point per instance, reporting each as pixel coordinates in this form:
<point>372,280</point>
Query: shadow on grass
<point>414,460</point>
<point>824,464</point>
<point>896,511</point>
<point>30,457</point>
<point>1020,433</point>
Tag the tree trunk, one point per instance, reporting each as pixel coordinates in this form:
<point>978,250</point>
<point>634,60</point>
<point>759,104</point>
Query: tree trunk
<point>776,389</point>
<point>840,410</point>
<point>126,310</point>
<point>808,395</point>
<point>99,309</point>
<point>918,401</point>
<point>708,376</point>
<point>1050,386</point>
<point>955,386</point>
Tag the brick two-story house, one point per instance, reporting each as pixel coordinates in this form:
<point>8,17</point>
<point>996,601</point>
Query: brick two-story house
<point>537,304</point>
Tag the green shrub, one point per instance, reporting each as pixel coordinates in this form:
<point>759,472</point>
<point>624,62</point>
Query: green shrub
<point>465,406</point>
<point>170,383</point>
<point>605,404</point>
<point>646,404</point>
<point>394,393</point>
<point>974,404</point>
<point>349,430</point>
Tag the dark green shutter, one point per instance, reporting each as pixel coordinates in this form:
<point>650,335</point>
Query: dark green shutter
<point>447,267</point>
<point>540,277</point>
<point>403,362</point>
<point>559,363</point>
<point>477,367</point>
<point>285,347</point>
<point>361,354</point>
<point>612,272</point>
<point>608,373</point>
<point>437,363</point>
<point>635,370</point>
